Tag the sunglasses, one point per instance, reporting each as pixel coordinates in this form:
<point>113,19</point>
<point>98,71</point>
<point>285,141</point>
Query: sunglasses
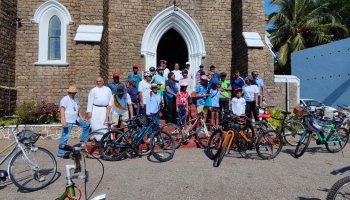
<point>99,81</point>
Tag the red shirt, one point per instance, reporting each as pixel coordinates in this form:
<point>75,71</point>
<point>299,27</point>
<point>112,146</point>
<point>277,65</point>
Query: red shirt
<point>182,98</point>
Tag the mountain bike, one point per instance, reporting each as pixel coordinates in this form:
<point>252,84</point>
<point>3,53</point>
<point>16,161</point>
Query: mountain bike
<point>145,140</point>
<point>333,138</point>
<point>30,167</point>
<point>72,192</point>
<point>196,127</point>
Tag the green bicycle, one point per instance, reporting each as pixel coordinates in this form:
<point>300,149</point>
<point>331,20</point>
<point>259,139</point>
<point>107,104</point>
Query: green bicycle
<point>334,138</point>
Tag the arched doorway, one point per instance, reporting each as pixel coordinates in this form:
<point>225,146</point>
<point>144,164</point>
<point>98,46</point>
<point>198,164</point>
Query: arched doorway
<point>177,19</point>
<point>172,48</point>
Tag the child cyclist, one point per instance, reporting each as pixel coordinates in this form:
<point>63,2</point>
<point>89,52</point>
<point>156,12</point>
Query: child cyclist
<point>182,103</point>
<point>238,103</point>
<point>215,94</point>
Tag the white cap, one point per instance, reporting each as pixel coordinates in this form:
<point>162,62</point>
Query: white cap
<point>187,63</point>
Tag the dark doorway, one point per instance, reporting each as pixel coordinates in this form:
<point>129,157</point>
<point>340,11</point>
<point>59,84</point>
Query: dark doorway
<point>172,48</point>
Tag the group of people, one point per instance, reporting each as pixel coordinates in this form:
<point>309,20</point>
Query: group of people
<point>160,90</point>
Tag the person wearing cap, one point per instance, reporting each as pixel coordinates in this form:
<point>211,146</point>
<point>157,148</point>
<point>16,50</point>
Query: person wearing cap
<point>153,71</point>
<point>70,115</point>
<point>154,104</point>
<point>225,94</point>
<point>237,82</point>
<point>216,76</point>
<point>113,85</point>
<point>214,95</point>
<point>260,83</point>
<point>177,72</point>
<point>164,64</point>
<point>98,106</point>
<point>199,73</point>
<point>144,90</point>
<point>238,103</point>
<point>171,90</point>
<point>201,95</point>
<point>250,94</point>
<point>135,75</point>
<point>132,91</point>
<point>121,106</point>
<point>182,105</point>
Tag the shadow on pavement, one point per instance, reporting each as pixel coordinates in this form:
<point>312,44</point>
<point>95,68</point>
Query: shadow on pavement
<point>307,198</point>
<point>57,176</point>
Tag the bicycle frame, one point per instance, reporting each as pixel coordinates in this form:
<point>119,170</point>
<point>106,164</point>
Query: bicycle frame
<point>231,132</point>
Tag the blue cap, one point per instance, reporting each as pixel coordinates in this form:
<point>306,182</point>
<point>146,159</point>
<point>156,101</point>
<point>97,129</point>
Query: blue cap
<point>249,78</point>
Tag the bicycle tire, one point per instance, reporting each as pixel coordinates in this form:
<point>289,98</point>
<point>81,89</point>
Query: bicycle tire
<point>215,142</point>
<point>22,182</point>
<point>175,132</point>
<point>302,144</point>
<point>337,188</point>
<point>162,143</point>
<point>218,160</point>
<point>92,144</point>
<point>203,138</point>
<point>108,148</point>
<point>270,139</point>
<point>344,138</point>
<point>292,132</point>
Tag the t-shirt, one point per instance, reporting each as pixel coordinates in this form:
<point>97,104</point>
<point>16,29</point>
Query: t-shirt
<point>237,83</point>
<point>189,81</point>
<point>133,95</point>
<point>166,72</point>
<point>182,98</point>
<point>113,86</point>
<point>178,74</point>
<point>201,90</point>
<point>153,103</point>
<point>120,105</point>
<point>215,94</point>
<point>145,89</point>
<point>216,77</point>
<point>238,106</point>
<point>225,94</point>
<point>71,107</point>
<point>137,77</point>
<point>173,87</point>
<point>260,83</point>
<point>249,92</point>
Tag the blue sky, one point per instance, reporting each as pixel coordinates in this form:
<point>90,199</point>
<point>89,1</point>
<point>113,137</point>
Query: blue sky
<point>269,9</point>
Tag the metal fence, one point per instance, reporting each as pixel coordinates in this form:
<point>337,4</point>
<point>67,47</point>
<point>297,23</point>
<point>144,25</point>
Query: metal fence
<point>47,131</point>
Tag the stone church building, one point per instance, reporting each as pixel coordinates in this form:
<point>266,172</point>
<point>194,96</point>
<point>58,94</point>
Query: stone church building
<point>46,45</point>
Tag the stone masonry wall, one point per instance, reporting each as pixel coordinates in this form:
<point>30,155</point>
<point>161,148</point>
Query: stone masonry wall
<point>8,14</point>
<point>128,21</point>
<point>49,83</point>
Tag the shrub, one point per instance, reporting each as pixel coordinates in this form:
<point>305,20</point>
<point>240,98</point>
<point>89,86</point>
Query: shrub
<point>275,113</point>
<point>41,113</point>
<point>25,113</point>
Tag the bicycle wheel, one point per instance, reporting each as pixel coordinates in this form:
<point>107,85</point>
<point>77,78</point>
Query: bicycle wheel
<point>162,146</point>
<point>218,159</point>
<point>302,144</point>
<point>113,146</point>
<point>32,170</point>
<point>269,144</point>
<point>203,137</point>
<point>292,132</point>
<point>337,140</point>
<point>92,144</point>
<point>340,189</point>
<point>175,132</point>
<point>214,144</point>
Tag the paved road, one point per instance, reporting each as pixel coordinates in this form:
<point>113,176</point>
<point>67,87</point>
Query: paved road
<point>190,175</point>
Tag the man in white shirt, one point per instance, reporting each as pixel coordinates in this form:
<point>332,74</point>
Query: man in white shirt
<point>187,79</point>
<point>121,103</point>
<point>164,63</point>
<point>70,115</point>
<point>250,93</point>
<point>144,90</point>
<point>98,107</point>
<point>177,72</point>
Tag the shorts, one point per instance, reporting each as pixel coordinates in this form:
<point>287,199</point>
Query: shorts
<point>202,109</point>
<point>216,109</point>
<point>124,116</point>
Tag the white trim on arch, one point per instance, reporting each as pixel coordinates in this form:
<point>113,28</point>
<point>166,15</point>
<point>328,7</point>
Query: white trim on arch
<point>173,18</point>
<point>42,17</point>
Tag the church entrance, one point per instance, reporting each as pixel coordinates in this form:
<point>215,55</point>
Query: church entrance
<point>172,48</point>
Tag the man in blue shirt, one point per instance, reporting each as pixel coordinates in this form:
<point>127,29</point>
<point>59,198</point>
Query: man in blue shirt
<point>113,85</point>
<point>237,82</point>
<point>135,75</point>
<point>216,76</point>
<point>201,95</point>
<point>260,83</point>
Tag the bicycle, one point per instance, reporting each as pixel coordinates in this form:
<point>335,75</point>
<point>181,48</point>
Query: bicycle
<point>30,167</point>
<point>72,192</point>
<point>290,129</point>
<point>326,134</point>
<point>193,128</point>
<point>117,145</point>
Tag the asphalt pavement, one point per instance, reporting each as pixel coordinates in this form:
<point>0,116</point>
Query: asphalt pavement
<point>191,175</point>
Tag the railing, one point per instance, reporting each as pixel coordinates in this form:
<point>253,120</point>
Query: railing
<point>47,131</point>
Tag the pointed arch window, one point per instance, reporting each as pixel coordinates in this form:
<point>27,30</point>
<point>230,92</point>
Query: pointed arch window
<point>54,50</point>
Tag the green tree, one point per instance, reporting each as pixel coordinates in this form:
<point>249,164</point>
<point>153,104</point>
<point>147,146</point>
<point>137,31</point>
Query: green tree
<point>341,8</point>
<point>301,24</point>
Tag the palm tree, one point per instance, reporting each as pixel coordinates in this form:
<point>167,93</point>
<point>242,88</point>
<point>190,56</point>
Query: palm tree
<point>301,24</point>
